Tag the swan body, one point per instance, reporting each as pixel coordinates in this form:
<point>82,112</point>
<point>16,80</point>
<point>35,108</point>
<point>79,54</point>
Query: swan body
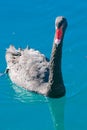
<point>30,69</point>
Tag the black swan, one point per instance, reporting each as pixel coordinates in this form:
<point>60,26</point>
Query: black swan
<point>30,69</point>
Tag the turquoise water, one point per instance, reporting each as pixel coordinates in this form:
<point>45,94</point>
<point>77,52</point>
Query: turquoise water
<point>31,23</point>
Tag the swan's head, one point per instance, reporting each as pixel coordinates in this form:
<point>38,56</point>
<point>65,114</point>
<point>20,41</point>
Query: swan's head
<point>60,22</point>
<point>60,27</point>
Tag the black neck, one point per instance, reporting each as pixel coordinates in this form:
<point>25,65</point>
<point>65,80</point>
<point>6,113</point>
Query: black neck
<point>56,84</point>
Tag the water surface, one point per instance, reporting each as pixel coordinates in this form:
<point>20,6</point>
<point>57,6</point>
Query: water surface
<point>31,23</point>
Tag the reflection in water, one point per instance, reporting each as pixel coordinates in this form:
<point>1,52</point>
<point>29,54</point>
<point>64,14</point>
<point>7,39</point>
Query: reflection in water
<point>56,105</point>
<point>57,111</point>
<point>67,113</point>
<point>70,113</point>
<point>23,95</point>
<point>76,111</point>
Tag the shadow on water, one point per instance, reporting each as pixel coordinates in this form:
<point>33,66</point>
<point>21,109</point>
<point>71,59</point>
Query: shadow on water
<point>57,111</point>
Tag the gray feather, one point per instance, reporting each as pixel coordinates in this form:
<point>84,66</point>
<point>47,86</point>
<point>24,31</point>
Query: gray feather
<point>28,68</point>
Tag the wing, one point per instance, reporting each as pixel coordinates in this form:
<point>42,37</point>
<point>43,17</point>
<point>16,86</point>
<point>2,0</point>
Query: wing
<point>27,68</point>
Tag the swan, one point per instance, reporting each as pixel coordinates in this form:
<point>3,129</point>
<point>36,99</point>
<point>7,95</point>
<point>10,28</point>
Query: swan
<point>30,69</point>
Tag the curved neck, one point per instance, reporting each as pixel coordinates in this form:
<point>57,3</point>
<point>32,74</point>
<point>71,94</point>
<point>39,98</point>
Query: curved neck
<point>56,84</point>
